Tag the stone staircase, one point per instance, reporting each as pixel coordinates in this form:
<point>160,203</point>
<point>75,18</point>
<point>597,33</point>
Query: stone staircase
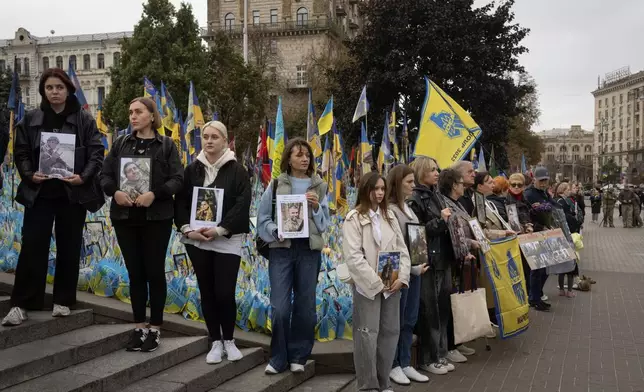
<point>77,353</point>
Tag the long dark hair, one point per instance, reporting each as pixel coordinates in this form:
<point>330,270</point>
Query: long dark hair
<point>286,155</point>
<point>394,185</point>
<point>367,185</point>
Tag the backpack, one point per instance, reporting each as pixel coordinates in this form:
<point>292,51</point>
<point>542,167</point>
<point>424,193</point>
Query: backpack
<point>261,245</point>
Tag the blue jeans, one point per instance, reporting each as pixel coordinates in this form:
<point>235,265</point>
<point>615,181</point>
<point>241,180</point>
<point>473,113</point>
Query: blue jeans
<point>409,304</point>
<point>293,272</point>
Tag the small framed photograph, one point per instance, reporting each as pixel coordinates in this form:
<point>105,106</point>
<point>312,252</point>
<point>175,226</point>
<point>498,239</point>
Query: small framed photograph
<point>57,154</point>
<point>134,178</point>
<point>477,230</point>
<point>388,267</point>
<point>513,217</point>
<point>292,216</point>
<point>479,203</point>
<point>417,239</point>
<point>207,207</point>
<point>182,264</point>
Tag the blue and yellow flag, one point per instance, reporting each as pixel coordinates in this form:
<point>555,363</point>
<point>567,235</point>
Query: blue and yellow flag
<point>363,105</point>
<point>195,120</point>
<point>278,141</point>
<point>384,155</point>
<point>312,129</point>
<point>447,132</point>
<point>79,91</point>
<point>149,90</point>
<point>101,126</point>
<point>325,123</point>
<point>366,153</point>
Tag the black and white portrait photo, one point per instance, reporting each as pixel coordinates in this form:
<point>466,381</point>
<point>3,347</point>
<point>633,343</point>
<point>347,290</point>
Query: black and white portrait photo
<point>135,176</point>
<point>57,154</point>
<point>292,216</point>
<point>417,237</point>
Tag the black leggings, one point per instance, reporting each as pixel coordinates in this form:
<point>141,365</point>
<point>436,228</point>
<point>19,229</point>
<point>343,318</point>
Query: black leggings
<point>217,279</point>
<point>144,248</point>
<point>570,276</point>
<point>31,272</point>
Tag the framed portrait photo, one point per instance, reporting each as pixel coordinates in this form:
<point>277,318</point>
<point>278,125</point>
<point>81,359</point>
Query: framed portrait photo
<point>417,240</point>
<point>207,207</point>
<point>57,152</point>
<point>134,176</point>
<point>292,216</point>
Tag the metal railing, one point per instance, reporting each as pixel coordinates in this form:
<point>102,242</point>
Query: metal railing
<point>294,25</point>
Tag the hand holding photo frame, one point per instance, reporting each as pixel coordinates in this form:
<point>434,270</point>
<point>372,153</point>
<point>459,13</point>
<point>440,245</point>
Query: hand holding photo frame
<point>206,208</point>
<point>481,211</point>
<point>417,240</point>
<point>292,216</point>
<point>134,178</point>
<point>477,230</point>
<point>57,154</point>
<point>513,217</point>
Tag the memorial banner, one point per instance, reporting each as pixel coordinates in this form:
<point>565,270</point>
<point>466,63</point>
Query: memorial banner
<point>546,248</point>
<point>505,271</point>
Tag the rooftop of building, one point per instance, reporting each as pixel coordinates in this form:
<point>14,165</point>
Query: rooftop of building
<point>624,80</point>
<point>574,131</point>
<point>78,38</point>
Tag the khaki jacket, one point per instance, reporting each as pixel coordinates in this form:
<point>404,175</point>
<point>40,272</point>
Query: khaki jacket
<point>360,251</point>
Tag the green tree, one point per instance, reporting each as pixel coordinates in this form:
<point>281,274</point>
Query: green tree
<point>610,172</point>
<point>472,53</point>
<point>521,140</point>
<point>238,92</point>
<point>166,46</point>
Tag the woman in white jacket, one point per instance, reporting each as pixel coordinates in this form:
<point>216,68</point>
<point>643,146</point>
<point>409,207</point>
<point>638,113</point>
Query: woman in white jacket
<point>369,229</point>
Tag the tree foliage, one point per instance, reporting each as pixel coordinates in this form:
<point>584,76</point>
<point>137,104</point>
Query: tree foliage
<point>166,46</point>
<point>610,172</point>
<point>521,140</point>
<point>472,53</point>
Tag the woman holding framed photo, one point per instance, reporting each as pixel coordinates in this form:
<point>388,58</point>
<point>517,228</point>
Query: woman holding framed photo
<point>372,235</point>
<point>143,224</point>
<point>294,263</point>
<point>215,251</point>
<point>400,186</point>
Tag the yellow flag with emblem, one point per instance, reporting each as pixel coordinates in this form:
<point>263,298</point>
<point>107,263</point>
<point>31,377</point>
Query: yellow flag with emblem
<point>447,132</point>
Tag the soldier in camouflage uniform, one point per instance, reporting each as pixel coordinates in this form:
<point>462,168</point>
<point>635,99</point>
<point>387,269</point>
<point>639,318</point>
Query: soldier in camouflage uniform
<point>627,199</point>
<point>637,208</point>
<point>609,206</point>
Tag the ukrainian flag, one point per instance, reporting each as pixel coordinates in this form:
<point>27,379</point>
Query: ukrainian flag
<point>447,132</point>
<point>278,141</point>
<point>148,88</point>
<point>101,126</point>
<point>384,155</point>
<point>312,129</point>
<point>365,147</point>
<point>168,111</point>
<point>195,119</point>
<point>363,105</point>
<point>325,123</point>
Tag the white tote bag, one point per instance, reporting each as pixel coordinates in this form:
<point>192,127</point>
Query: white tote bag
<point>469,311</point>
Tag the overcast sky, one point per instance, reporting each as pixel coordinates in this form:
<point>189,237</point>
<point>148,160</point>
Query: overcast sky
<point>571,41</point>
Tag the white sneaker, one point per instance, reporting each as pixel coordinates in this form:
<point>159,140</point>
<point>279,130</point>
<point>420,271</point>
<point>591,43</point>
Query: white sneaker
<point>214,356</point>
<point>270,370</point>
<point>413,375</point>
<point>492,333</point>
<point>15,317</point>
<point>455,356</point>
<point>396,374</point>
<point>544,297</point>
<point>232,352</point>
<point>60,311</point>
<point>467,351</point>
<point>297,368</point>
<point>434,368</point>
<point>449,366</point>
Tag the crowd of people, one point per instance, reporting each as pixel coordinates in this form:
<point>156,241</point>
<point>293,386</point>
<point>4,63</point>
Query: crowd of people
<point>629,201</point>
<point>386,314</point>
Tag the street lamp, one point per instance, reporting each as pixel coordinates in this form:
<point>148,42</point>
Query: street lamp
<point>603,128</point>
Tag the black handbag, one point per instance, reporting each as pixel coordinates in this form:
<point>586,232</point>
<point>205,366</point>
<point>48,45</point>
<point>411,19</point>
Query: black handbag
<point>261,245</point>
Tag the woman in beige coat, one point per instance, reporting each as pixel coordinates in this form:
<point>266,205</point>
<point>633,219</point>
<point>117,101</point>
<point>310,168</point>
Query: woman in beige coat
<point>369,230</point>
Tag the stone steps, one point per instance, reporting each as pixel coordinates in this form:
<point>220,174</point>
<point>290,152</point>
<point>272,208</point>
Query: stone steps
<point>41,325</point>
<point>30,360</point>
<point>325,383</point>
<point>114,371</point>
<point>195,375</point>
<point>255,380</point>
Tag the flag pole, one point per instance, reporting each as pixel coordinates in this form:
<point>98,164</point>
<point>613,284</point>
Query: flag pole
<point>12,163</point>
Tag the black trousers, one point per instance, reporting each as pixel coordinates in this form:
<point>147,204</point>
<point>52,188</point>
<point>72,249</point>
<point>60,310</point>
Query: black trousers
<point>144,246</point>
<point>31,272</point>
<point>217,279</point>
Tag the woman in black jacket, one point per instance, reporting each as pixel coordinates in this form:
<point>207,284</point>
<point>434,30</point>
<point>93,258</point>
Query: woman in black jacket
<point>64,201</point>
<point>564,199</point>
<point>215,249</point>
<point>143,225</point>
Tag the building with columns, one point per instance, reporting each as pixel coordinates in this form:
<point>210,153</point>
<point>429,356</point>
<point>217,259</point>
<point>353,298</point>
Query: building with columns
<point>285,35</point>
<point>619,106</point>
<point>568,153</point>
<point>90,54</point>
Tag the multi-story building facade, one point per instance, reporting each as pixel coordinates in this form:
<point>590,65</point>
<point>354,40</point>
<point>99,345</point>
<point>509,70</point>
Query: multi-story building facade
<point>619,106</point>
<point>91,55</point>
<point>285,35</point>
<point>568,153</point>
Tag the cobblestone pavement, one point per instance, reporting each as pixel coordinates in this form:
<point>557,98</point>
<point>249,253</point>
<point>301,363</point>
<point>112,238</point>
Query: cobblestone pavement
<point>594,342</point>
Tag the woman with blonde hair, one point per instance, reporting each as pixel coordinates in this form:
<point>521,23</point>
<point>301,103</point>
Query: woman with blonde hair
<point>369,229</point>
<point>143,225</point>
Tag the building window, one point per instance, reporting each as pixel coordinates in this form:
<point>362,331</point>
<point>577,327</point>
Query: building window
<point>551,148</point>
<point>575,148</point>
<point>588,157</point>
<point>302,16</point>
<point>620,135</point>
<point>45,63</point>
<point>600,103</point>
<point>621,110</point>
<point>612,112</point>
<point>612,124</point>
<point>620,147</point>
<point>25,69</point>
<point>273,46</point>
<point>551,157</point>
<point>621,98</point>
<point>101,94</point>
<point>613,100</point>
<point>28,96</point>
<point>620,123</point>
<point>255,18</point>
<point>3,65</point>
<point>101,61</point>
<point>273,73</point>
<point>72,62</point>
<point>575,157</point>
<point>87,62</point>
<point>116,59</point>
<point>302,77</point>
<point>229,21</point>
<point>274,16</point>
<point>588,149</point>
<point>59,62</point>
<point>563,149</point>
<point>18,65</point>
